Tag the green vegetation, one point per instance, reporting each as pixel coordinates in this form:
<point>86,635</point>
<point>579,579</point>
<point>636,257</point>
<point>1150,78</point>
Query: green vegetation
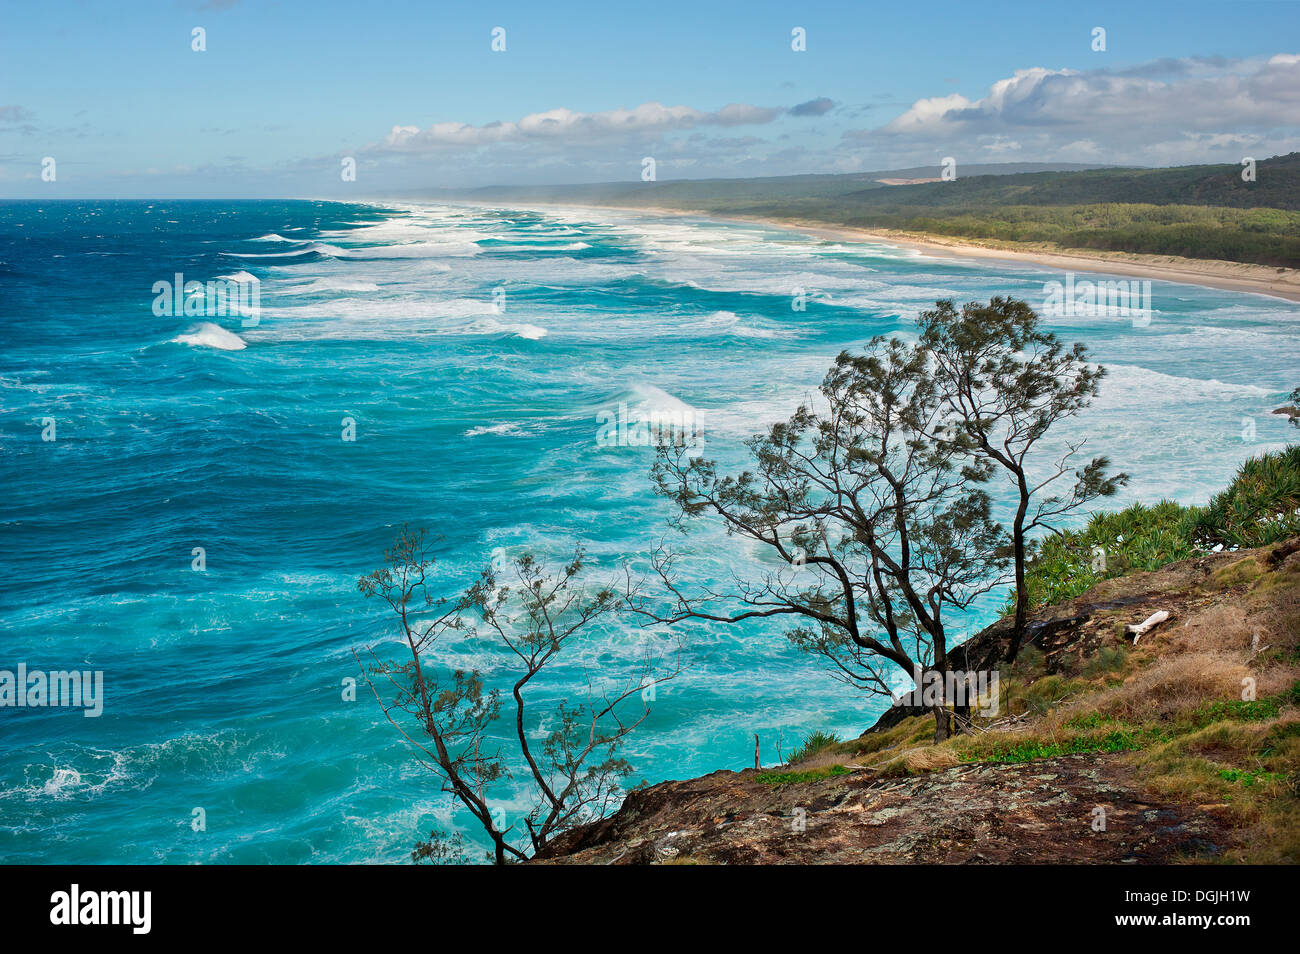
<point>1250,778</point>
<point>1190,211</point>
<point>1254,710</point>
<point>1140,537</point>
<point>1260,507</point>
<point>1115,741</point>
<point>1091,720</point>
<point>1241,759</point>
<point>1172,712</point>
<point>815,743</point>
<point>1099,732</point>
<point>789,778</point>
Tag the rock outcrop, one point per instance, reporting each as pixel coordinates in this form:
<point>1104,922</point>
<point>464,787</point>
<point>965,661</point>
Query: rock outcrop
<point>1029,812</point>
<point>1026,809</point>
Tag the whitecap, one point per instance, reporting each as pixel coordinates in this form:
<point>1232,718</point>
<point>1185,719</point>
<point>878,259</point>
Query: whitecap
<point>208,335</point>
<point>491,326</point>
<point>332,285</point>
<point>509,429</point>
<point>319,248</point>
<point>729,322</point>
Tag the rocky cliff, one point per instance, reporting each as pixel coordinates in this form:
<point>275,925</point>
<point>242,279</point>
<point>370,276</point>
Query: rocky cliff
<point>1181,746</point>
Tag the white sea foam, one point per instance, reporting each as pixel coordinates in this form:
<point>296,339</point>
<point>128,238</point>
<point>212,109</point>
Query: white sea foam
<point>61,782</point>
<point>399,311</point>
<point>208,335</point>
<point>407,250</point>
<point>1138,387</point>
<point>508,429</point>
<point>543,247</point>
<point>331,285</point>
<point>728,322</point>
<point>491,326</point>
<point>319,248</point>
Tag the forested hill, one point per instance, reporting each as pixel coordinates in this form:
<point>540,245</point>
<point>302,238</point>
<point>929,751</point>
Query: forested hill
<point>1192,211</point>
<point>1276,186</point>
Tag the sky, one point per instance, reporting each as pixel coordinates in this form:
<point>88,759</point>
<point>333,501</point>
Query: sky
<point>112,99</point>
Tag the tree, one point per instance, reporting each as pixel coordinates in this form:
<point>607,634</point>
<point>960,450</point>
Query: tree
<point>446,714</point>
<point>880,530</point>
<point>1005,382</point>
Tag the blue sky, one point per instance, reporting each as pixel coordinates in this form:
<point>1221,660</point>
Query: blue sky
<point>412,91</point>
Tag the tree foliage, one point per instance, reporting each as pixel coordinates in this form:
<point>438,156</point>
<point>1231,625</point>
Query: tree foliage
<point>447,713</point>
<point>1005,383</point>
<point>883,531</point>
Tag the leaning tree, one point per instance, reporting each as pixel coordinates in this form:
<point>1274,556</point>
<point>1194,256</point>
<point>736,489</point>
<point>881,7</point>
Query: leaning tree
<point>880,531</point>
<point>1004,382</point>
<point>447,713</point>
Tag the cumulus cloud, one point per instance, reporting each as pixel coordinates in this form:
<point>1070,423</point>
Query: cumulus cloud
<point>566,126</point>
<point>1169,110</point>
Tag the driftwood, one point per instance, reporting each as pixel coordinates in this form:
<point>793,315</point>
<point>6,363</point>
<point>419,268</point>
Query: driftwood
<point>1283,550</point>
<point>1152,621</point>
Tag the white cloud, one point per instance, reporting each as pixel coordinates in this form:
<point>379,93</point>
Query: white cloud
<point>566,127</point>
<point>1162,112</point>
<point>1178,111</point>
<point>926,114</point>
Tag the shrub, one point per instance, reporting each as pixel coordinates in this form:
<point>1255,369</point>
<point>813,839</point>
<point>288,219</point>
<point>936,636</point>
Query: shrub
<point>1261,506</point>
<point>812,745</point>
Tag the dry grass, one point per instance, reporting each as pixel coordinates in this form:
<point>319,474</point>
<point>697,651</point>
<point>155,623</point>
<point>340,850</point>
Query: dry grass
<point>1170,687</point>
<point>1218,628</point>
<point>1248,774</point>
<point>1173,704</point>
<point>914,761</point>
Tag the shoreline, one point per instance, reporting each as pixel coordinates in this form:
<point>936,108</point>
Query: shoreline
<point>1268,280</point>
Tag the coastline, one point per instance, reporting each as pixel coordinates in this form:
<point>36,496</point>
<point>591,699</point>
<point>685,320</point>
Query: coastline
<point>1268,280</point>
<point>1273,281</point>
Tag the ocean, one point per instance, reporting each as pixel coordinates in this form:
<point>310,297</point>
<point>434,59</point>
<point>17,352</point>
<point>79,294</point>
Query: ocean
<point>469,353</point>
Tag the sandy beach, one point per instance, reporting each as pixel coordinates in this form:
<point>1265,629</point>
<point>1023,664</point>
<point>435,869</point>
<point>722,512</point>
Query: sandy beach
<point>1269,280</point>
<point>1209,273</point>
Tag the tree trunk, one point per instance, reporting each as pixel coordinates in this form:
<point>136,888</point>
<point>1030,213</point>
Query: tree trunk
<point>961,716</point>
<point>1022,593</point>
<point>942,724</point>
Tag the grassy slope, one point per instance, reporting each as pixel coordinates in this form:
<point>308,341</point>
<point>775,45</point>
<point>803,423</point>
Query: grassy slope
<point>1173,703</point>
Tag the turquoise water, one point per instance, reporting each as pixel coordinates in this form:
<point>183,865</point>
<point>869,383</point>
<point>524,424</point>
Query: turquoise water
<point>476,417</point>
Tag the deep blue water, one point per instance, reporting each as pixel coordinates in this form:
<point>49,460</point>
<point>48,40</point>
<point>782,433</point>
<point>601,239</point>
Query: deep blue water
<point>223,687</point>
